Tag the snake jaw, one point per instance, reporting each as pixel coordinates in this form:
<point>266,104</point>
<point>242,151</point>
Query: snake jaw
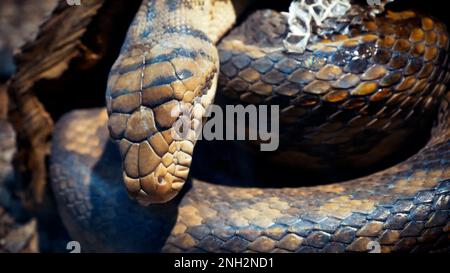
<point>150,92</point>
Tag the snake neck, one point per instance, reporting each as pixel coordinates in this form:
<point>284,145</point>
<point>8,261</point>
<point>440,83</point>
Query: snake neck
<point>166,74</point>
<point>161,19</point>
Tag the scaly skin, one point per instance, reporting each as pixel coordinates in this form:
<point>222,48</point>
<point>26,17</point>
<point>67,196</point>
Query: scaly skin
<point>350,102</point>
<point>167,58</point>
<point>403,208</point>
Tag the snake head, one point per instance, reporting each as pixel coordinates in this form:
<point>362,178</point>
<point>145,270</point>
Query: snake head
<point>149,92</point>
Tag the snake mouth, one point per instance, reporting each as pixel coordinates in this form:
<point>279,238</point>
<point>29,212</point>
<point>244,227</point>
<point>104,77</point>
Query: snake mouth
<point>159,178</point>
<point>149,92</point>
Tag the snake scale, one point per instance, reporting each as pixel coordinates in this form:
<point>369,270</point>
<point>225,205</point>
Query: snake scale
<point>346,103</point>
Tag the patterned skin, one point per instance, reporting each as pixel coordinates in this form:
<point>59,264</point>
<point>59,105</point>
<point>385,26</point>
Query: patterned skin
<point>370,86</point>
<point>349,102</point>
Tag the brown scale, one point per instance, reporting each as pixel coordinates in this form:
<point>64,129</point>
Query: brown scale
<point>398,59</point>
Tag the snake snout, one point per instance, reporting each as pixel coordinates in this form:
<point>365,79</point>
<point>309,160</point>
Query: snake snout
<point>149,94</point>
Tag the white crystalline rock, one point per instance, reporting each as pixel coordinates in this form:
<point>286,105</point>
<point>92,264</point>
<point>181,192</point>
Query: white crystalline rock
<point>303,13</point>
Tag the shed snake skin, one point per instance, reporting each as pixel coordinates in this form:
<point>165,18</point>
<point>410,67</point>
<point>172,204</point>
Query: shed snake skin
<point>348,102</point>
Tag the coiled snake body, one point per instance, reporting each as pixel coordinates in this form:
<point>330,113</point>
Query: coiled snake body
<point>346,103</point>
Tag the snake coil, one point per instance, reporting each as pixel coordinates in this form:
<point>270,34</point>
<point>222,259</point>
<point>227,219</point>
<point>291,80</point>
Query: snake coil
<point>349,101</point>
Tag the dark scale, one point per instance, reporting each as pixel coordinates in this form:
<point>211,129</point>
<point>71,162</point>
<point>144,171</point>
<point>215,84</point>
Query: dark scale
<point>356,57</point>
<point>229,70</point>
<point>357,66</point>
<point>402,32</point>
<point>426,70</point>
<point>382,56</point>
<point>238,85</point>
<point>402,45</point>
<point>273,77</point>
<point>225,56</point>
<point>283,96</point>
<point>306,101</point>
<point>391,79</point>
<point>288,89</point>
<point>262,65</point>
<point>287,66</point>
<point>341,57</point>
<point>366,50</point>
<point>414,65</point>
<point>398,60</point>
<point>276,56</point>
<point>241,61</point>
<point>434,75</point>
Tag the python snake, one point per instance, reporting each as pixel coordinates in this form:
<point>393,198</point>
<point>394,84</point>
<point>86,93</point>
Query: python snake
<point>348,102</point>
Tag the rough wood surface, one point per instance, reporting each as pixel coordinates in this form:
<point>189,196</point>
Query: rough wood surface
<point>48,56</point>
<point>61,62</point>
